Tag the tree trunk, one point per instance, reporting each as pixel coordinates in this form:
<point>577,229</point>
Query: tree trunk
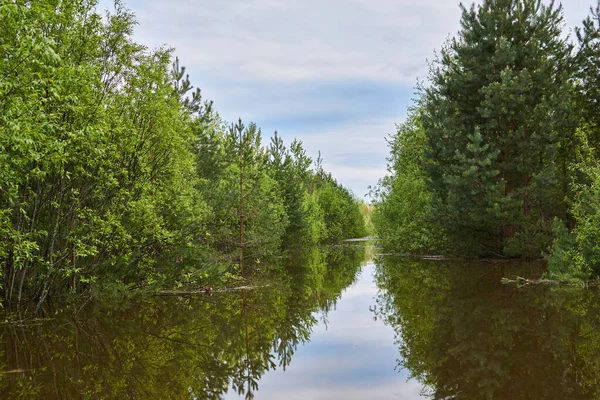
<point>241,210</point>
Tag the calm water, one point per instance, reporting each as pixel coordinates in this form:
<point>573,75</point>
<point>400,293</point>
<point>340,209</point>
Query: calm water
<point>328,325</point>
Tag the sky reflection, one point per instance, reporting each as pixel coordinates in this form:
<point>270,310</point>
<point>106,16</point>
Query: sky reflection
<point>351,356</point>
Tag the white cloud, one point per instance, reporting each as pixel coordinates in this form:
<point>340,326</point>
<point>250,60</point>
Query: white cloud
<point>291,40</point>
<point>285,64</point>
<point>354,153</point>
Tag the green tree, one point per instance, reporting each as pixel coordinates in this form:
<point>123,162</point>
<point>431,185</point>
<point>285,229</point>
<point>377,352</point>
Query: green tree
<point>341,211</point>
<point>403,211</point>
<point>248,218</point>
<point>291,170</point>
<point>497,117</point>
<point>587,74</point>
<point>575,253</point>
<point>115,174</point>
<point>97,154</point>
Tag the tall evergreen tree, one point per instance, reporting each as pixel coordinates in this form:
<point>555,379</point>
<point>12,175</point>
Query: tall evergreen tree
<point>497,122</point>
<point>291,170</point>
<point>588,75</point>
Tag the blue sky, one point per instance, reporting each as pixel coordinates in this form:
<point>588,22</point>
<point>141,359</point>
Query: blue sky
<point>336,74</point>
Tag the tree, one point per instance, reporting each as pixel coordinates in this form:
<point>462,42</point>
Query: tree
<point>97,172</point>
<point>115,174</point>
<point>588,74</point>
<point>496,118</point>
<point>341,211</point>
<point>248,216</point>
<point>290,168</point>
<point>403,212</point>
<point>575,253</point>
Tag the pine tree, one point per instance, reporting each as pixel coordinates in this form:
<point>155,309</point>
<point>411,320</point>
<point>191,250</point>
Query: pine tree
<point>588,76</point>
<point>290,169</point>
<point>575,253</point>
<point>502,87</point>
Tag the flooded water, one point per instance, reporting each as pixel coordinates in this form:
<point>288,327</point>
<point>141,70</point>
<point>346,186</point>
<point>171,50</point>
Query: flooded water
<point>350,355</point>
<point>326,325</point>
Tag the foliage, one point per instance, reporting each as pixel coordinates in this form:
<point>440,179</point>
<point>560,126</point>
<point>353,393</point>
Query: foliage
<point>403,213</point>
<point>98,161</point>
<point>575,253</point>
<point>502,142</point>
<point>367,211</point>
<point>340,209</point>
<point>116,174</point>
<point>493,152</point>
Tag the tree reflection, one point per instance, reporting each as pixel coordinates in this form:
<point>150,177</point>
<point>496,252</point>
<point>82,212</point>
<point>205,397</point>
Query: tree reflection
<point>466,336</point>
<point>179,347</point>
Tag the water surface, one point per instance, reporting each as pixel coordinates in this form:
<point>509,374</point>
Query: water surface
<point>351,355</point>
<point>324,324</point>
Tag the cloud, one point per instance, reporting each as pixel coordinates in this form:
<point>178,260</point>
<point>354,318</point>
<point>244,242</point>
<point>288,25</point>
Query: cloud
<point>288,41</point>
<point>336,74</point>
<point>354,151</point>
<point>291,40</point>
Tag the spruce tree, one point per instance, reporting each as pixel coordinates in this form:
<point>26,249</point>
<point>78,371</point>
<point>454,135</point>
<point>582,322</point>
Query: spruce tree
<point>497,123</point>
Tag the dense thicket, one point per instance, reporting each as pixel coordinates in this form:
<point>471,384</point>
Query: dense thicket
<point>499,155</point>
<point>115,173</point>
<point>402,219</point>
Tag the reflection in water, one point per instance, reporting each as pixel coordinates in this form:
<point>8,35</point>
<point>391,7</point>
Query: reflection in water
<point>178,347</point>
<point>461,333</point>
<point>466,336</point>
<point>351,357</point>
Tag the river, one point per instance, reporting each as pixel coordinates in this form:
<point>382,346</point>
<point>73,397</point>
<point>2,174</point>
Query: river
<point>335,323</point>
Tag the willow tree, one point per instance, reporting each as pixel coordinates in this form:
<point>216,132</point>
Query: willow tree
<point>496,117</point>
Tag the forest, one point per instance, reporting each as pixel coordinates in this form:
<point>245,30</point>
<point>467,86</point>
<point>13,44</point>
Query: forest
<point>151,248</point>
<point>498,157</point>
<point>116,175</point>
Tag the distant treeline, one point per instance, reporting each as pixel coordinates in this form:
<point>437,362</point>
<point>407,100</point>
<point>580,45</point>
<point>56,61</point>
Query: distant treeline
<point>116,174</point>
<point>499,155</point>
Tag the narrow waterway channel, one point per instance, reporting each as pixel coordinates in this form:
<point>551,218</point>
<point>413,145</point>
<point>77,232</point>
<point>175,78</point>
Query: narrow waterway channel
<point>350,355</point>
<point>325,324</point>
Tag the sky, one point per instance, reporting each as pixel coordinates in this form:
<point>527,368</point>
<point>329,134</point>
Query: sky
<point>336,74</point>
